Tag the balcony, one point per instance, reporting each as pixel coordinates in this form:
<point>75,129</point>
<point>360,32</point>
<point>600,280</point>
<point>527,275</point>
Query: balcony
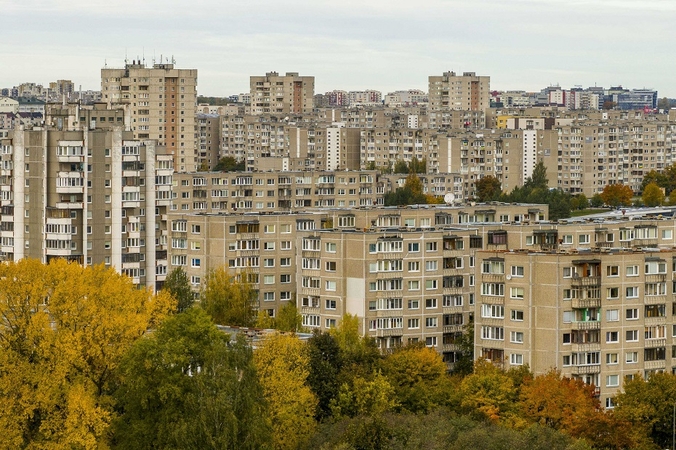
<point>493,277</point>
<point>586,303</point>
<point>656,299</point>
<point>390,332</point>
<point>654,343</point>
<point>659,364</point>
<point>450,348</point>
<point>453,328</point>
<point>584,370</point>
<point>452,309</point>
<point>389,313</point>
<point>655,320</point>
<point>586,347</point>
<point>586,281</point>
<point>588,325</point>
<point>493,299</point>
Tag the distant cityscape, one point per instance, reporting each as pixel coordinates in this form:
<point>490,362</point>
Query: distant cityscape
<point>290,186</point>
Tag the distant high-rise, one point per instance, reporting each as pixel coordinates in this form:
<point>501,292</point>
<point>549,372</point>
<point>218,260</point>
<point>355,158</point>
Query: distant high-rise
<point>466,92</point>
<point>282,94</point>
<point>161,105</point>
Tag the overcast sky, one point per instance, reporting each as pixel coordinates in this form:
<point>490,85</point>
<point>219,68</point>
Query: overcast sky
<point>347,44</point>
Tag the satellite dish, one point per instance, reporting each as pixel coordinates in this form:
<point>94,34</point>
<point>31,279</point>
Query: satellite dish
<point>448,198</point>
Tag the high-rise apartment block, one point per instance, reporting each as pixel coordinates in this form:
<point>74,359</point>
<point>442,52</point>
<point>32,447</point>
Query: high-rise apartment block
<point>160,102</point>
<point>467,92</point>
<point>282,94</point>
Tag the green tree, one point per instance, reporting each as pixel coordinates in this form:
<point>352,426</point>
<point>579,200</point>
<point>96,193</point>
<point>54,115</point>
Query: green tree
<point>464,363</point>
<point>282,362</point>
<point>230,164</point>
<point>410,194</point>
<point>177,284</point>
<point>65,329</point>
<point>359,354</point>
<point>539,177</point>
<point>617,195</point>
<point>488,188</point>
<point>648,406</point>
<point>596,201</point>
<point>372,396</point>
<point>664,103</point>
<point>400,166</point>
<point>289,319</point>
<point>325,365</point>
<point>418,376</point>
<point>583,202</point>
<point>652,195</point>
<point>227,300</point>
<point>371,165</point>
<point>417,166</point>
<point>187,386</point>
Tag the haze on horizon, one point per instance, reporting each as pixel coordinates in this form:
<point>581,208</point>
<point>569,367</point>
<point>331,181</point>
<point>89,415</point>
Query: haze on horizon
<point>349,45</point>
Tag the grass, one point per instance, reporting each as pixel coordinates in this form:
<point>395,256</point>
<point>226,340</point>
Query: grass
<point>588,211</point>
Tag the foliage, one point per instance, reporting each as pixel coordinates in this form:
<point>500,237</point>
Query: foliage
<point>538,180</point>
<point>288,318</point>
<point>227,300</point>
<point>488,188</point>
<point>415,166</point>
<point>215,101</point>
<point>230,164</point>
<point>648,405</point>
<point>282,363</point>
<point>186,386</point>
<point>464,364</point>
<point>65,331</point>
<point>325,365</point>
<point>617,195</point>
<point>400,166</point>
<point>418,376</point>
<point>596,201</point>
<point>536,190</point>
<point>177,284</point>
<point>583,202</point>
<point>359,354</point>
<point>371,396</point>
<point>652,195</point>
<point>410,194</point>
<point>488,393</point>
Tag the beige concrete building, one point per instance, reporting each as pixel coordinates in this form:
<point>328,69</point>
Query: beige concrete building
<point>282,94</point>
<point>208,140</point>
<point>160,102</point>
<point>466,92</point>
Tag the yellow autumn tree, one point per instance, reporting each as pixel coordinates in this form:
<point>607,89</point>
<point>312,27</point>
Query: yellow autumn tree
<point>65,329</point>
<point>229,299</point>
<point>282,363</point>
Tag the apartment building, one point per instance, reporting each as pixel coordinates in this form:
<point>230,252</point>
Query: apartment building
<point>207,140</point>
<point>90,196</point>
<point>466,92</point>
<point>160,102</point>
<point>282,94</point>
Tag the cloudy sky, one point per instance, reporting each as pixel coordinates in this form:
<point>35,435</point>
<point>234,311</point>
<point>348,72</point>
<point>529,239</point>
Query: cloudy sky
<point>347,44</point>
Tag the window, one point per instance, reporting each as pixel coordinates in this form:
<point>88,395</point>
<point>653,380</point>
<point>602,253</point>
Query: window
<point>568,272</point>
<point>632,271</point>
<point>430,322</point>
<point>430,266</point>
<point>493,311</point>
<point>330,304</point>
<point>583,239</point>
<point>516,359</point>
<point>632,313</point>
<point>493,333</point>
<point>431,246</point>
<point>413,323</point>
<point>611,358</point>
<point>331,247</point>
<point>517,271</point>
<point>612,315</point>
<point>610,403</point>
<point>568,316</point>
<point>268,296</point>
<point>285,278</point>
<point>285,262</point>
<point>431,284</point>
<point>269,262</point>
<point>414,285</point>
<point>195,262</point>
<point>631,357</point>
<point>612,336</point>
<point>632,292</point>
<point>516,292</point>
<point>517,315</point>
<point>413,304</point>
<point>666,234</point>
<point>330,266</point>
<point>268,246</point>
<point>567,239</point>
<point>655,267</point>
<point>431,341</point>
<point>430,303</point>
<point>285,245</point>
<point>613,292</point>
<point>516,337</point>
<point>414,266</point>
<point>612,380</point>
<point>414,246</point>
<point>613,271</point>
<point>330,323</point>
<point>330,285</point>
<point>268,279</point>
<point>632,336</point>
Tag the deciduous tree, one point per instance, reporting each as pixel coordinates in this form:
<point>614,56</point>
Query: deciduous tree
<point>488,393</point>
<point>227,300</point>
<point>617,195</point>
<point>652,195</point>
<point>325,365</point>
<point>177,284</point>
<point>488,188</point>
<point>65,330</point>
<point>282,362</point>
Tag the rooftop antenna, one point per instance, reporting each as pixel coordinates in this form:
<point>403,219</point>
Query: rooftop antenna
<point>125,56</point>
<point>153,57</point>
<point>144,54</point>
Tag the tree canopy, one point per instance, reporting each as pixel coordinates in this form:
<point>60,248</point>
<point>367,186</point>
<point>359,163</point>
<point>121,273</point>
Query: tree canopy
<point>488,188</point>
<point>229,300</point>
<point>230,164</point>
<point>177,284</point>
<point>617,195</point>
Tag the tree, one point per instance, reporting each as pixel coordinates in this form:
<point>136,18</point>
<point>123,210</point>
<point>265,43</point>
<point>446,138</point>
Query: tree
<point>371,396</point>
<point>648,406</point>
<point>288,318</point>
<point>609,104</point>
<point>177,284</point>
<point>410,194</point>
<point>418,376</point>
<point>400,166</point>
<point>65,331</point>
<point>359,354</point>
<point>664,103</point>
<point>282,363</point>
<point>617,195</point>
<point>488,188</point>
<point>583,202</point>
<point>539,177</point>
<point>187,386</point>
<point>325,365</point>
<point>488,393</point>
<point>230,164</point>
<point>652,195</point>
<point>227,300</point>
<point>417,166</point>
<point>371,165</point>
<point>464,363</point>
<point>596,201</point>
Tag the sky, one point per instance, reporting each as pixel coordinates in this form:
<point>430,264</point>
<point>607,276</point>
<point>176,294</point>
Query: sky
<point>385,45</point>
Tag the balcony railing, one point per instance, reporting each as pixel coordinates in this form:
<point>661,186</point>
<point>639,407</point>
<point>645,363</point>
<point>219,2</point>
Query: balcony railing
<point>582,370</point>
